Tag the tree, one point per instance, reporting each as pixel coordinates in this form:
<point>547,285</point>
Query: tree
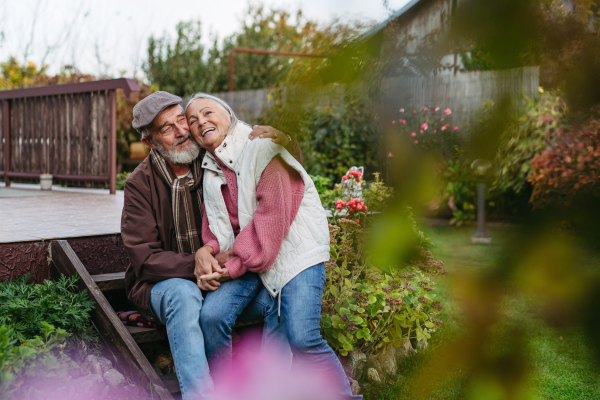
<point>178,67</point>
<point>185,66</point>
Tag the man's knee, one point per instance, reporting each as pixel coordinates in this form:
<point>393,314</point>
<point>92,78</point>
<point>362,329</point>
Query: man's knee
<point>179,292</point>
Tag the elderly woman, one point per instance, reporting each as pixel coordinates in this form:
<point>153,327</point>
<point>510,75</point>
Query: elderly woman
<point>266,225</point>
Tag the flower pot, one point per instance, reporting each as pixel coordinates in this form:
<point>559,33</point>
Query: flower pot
<point>46,181</point>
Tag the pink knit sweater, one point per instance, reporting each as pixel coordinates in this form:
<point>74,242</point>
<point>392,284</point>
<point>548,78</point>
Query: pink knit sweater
<point>279,194</point>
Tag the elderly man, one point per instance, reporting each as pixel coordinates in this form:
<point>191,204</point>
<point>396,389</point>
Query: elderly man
<point>160,228</point>
<point>263,212</point>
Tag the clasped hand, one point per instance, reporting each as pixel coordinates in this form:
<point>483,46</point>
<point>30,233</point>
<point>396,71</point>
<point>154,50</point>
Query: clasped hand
<point>210,271</point>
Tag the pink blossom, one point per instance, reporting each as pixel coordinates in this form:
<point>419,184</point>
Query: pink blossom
<point>394,121</point>
<point>443,128</point>
<point>447,111</point>
<point>426,109</point>
<point>447,125</point>
<point>414,111</point>
<point>401,110</point>
<point>435,131</point>
<point>455,128</point>
<point>544,119</point>
<point>442,119</point>
<point>390,155</point>
<point>416,142</point>
<point>414,134</point>
<point>424,126</point>
<point>402,121</point>
<point>421,131</point>
<point>437,109</point>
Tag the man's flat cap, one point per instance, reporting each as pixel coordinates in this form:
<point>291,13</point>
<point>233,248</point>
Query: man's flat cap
<point>146,110</point>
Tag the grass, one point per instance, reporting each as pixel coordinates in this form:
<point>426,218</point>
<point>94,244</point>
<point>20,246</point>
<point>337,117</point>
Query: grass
<point>559,363</point>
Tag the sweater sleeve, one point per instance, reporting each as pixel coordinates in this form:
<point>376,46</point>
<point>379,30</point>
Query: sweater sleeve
<point>279,193</point>
<point>208,238</point>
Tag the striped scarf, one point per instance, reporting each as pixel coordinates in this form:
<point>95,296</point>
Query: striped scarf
<point>186,201</point>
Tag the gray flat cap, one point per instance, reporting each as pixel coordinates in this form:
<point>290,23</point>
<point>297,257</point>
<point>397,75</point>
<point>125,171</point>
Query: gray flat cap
<point>146,110</point>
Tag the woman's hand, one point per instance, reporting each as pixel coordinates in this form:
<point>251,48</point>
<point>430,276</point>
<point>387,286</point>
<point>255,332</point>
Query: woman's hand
<point>264,132</point>
<point>206,264</point>
<point>217,276</point>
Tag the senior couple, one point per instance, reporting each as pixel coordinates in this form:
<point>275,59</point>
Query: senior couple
<point>222,228</point>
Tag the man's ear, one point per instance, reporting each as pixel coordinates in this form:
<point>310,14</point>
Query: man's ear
<point>148,142</point>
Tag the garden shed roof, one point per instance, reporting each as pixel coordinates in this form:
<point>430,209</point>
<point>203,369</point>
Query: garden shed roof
<point>394,16</point>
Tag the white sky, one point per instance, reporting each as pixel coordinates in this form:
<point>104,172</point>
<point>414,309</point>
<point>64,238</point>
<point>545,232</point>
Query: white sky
<point>110,36</point>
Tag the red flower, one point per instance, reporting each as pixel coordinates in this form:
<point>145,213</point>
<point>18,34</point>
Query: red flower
<point>358,221</point>
<point>344,177</point>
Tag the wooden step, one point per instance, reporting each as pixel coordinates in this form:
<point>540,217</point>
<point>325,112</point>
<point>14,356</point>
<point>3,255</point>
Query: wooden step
<point>111,281</point>
<point>143,334</point>
<point>171,382</point>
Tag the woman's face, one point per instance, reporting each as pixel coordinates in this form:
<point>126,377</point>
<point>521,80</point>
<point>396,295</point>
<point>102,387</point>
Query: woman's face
<point>208,122</point>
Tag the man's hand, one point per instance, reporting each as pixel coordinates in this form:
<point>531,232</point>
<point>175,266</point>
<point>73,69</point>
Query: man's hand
<point>217,276</point>
<point>223,257</point>
<point>206,264</point>
<point>263,132</point>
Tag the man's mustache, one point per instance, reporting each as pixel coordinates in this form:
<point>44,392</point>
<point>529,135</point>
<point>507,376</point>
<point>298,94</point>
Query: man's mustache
<point>182,139</point>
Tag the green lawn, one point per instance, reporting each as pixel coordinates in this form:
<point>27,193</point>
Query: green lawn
<point>556,369</point>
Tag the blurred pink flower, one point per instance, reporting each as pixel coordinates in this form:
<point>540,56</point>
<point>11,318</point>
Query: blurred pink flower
<point>416,142</point>
<point>424,126</point>
<point>447,111</point>
<point>394,121</point>
<point>437,109</point>
<point>443,128</point>
<point>414,134</point>
<point>455,128</point>
<point>544,119</point>
<point>402,121</point>
<point>442,119</point>
<point>401,110</point>
<point>435,131</point>
<point>414,111</point>
<point>390,155</point>
<point>421,131</point>
<point>426,109</point>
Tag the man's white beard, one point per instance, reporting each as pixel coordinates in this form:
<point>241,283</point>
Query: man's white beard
<point>181,156</point>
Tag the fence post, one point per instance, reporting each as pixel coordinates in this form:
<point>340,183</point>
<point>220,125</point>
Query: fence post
<point>112,143</point>
<point>6,119</point>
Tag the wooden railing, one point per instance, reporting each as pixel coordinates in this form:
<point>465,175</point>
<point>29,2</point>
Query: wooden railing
<point>69,131</point>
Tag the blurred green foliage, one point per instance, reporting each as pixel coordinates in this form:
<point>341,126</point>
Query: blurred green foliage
<point>40,357</point>
<point>121,179</point>
<point>459,188</point>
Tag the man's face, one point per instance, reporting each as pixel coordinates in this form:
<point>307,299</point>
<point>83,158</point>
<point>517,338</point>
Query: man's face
<point>208,121</point>
<point>169,134</point>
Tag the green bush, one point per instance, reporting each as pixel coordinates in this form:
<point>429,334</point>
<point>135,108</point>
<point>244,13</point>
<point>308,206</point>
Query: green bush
<point>121,179</point>
<point>371,309</point>
<point>26,308</point>
<point>41,357</point>
<point>459,188</point>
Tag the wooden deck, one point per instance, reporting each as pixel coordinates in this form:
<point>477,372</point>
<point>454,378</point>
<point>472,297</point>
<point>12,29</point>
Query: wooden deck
<point>28,214</point>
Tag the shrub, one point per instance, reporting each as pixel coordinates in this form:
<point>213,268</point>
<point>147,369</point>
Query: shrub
<point>459,188</point>
<point>533,128</point>
<point>429,130</point>
<point>40,357</point>
<point>368,308</point>
<point>26,308</point>
<point>571,165</point>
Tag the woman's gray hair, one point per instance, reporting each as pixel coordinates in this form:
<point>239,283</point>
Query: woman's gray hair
<point>221,103</point>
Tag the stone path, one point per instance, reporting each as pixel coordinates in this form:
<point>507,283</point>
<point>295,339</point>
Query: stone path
<point>27,214</point>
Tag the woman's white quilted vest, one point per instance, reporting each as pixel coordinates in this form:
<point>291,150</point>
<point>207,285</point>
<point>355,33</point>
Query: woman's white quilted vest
<point>307,242</point>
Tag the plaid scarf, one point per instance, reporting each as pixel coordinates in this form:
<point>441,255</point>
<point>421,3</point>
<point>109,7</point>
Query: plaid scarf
<point>186,201</point>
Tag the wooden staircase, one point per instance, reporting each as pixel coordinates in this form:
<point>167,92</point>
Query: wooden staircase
<point>122,340</point>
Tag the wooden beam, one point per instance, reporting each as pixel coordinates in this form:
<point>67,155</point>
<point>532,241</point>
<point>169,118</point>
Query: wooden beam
<point>112,330</point>
<point>128,86</point>
<point>112,143</point>
<point>113,281</point>
<point>6,128</point>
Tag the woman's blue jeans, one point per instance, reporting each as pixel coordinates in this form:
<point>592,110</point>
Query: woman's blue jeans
<point>300,313</point>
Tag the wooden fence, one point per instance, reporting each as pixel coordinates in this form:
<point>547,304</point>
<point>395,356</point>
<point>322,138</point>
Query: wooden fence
<point>68,131</point>
<point>464,93</point>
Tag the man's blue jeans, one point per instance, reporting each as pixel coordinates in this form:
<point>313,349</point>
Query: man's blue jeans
<point>300,313</point>
<point>177,304</point>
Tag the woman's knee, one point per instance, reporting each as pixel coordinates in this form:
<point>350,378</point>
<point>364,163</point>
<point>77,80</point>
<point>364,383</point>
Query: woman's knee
<point>302,340</point>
